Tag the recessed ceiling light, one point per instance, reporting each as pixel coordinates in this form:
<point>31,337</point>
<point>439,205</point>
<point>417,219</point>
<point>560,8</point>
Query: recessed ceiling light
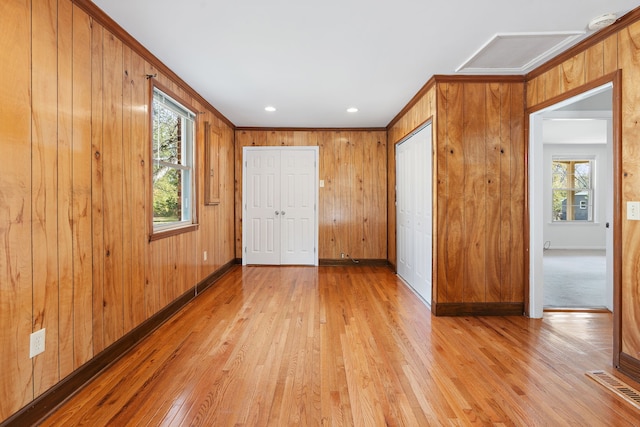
<point>352,110</point>
<point>270,108</point>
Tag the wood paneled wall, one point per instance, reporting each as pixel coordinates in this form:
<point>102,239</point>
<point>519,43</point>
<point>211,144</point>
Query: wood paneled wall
<point>76,257</point>
<point>618,51</point>
<point>353,202</point>
<point>479,193</point>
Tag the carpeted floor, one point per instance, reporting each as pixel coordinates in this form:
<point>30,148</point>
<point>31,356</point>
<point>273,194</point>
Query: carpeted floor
<point>574,278</point>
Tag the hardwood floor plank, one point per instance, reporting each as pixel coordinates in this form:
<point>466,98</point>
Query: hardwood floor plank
<point>351,346</point>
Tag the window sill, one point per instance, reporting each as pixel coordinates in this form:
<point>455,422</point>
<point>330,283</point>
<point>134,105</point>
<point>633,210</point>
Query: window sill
<point>157,235</point>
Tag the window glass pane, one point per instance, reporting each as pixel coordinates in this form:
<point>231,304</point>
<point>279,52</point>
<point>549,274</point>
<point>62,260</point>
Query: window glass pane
<point>572,190</point>
<point>559,205</point>
<point>582,175</point>
<point>173,158</point>
<point>167,200</point>
<point>560,175</point>
<point>167,134</point>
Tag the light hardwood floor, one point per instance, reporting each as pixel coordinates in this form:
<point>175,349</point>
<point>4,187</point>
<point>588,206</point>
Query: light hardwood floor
<point>275,346</point>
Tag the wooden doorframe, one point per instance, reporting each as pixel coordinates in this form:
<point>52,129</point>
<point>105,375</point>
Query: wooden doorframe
<point>615,80</point>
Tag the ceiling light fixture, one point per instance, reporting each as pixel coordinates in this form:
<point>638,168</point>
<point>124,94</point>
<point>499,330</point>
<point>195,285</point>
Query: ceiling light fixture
<point>602,21</point>
<point>352,110</point>
<point>270,108</point>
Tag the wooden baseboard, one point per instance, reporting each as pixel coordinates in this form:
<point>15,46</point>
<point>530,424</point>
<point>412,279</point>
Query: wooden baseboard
<point>480,309</point>
<point>352,262</point>
<point>630,366</point>
<point>39,408</point>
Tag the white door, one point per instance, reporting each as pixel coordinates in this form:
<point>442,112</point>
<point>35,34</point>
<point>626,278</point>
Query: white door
<point>414,211</point>
<point>280,199</point>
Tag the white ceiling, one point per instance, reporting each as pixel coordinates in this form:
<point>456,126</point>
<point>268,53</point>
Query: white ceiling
<point>313,60</point>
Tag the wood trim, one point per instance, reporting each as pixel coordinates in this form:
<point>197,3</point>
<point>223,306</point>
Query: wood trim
<point>427,86</point>
<point>608,78</point>
<point>479,309</point>
<point>108,23</point>
<point>629,366</point>
<point>359,263</point>
<point>294,129</point>
<point>526,221</point>
<point>617,217</point>
<point>38,409</point>
<point>211,173</point>
<point>473,78</point>
<point>595,38</point>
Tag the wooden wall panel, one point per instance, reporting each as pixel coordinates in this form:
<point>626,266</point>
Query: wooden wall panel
<point>138,179</point>
<point>629,42</point>
<point>610,54</point>
<point>97,185</point>
<point>327,248</point>
<point>513,289</point>
<point>127,195</point>
<point>113,200</point>
<point>594,62</point>
<point>474,191</point>
<point>16,291</point>
<point>451,227</point>
<point>44,165</point>
<point>375,199</point>
<point>352,196</point>
<point>493,180</point>
<point>82,307</point>
<point>65,186</point>
<point>74,131</point>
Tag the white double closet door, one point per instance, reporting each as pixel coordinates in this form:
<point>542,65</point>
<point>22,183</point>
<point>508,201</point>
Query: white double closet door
<point>280,199</point>
<point>414,211</point>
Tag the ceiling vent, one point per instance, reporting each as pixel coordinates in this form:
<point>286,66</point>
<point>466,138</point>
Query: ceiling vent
<point>517,53</point>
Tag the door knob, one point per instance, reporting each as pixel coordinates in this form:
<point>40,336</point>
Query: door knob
<point>282,212</point>
<point>277,213</point>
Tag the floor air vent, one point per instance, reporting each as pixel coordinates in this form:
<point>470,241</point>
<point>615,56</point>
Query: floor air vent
<point>629,394</point>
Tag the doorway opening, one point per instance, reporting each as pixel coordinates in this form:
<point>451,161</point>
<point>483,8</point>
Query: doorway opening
<point>571,193</point>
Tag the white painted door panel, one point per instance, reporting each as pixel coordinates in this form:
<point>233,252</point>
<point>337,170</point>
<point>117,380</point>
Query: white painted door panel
<point>297,216</point>
<point>280,198</point>
<point>414,211</point>
<point>262,207</point>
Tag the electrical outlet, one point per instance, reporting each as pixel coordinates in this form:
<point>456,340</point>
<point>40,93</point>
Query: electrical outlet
<point>633,210</point>
<point>37,343</point>
<point>204,255</point>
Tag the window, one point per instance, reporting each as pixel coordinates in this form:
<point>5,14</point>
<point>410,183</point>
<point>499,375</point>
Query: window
<point>572,189</point>
<point>173,177</point>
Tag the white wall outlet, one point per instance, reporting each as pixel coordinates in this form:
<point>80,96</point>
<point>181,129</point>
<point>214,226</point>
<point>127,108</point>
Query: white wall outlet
<point>204,255</point>
<point>321,183</point>
<point>36,343</point>
<point>633,211</point>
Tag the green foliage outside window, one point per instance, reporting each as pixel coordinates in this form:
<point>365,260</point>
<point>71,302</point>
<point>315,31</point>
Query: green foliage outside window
<point>172,152</point>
